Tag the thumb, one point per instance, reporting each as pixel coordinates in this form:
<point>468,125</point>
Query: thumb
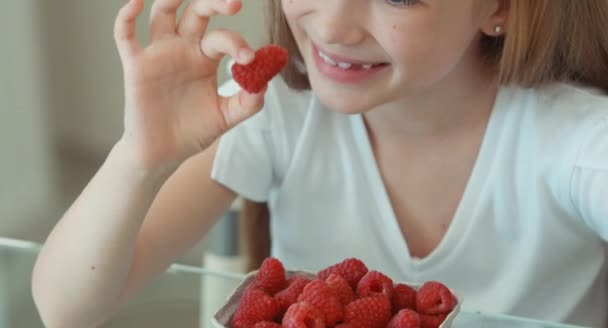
<point>241,106</point>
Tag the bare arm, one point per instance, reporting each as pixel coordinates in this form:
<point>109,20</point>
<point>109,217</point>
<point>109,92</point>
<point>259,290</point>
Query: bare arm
<point>188,205</point>
<point>100,254</point>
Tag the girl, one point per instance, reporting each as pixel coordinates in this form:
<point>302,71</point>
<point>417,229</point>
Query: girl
<point>461,141</point>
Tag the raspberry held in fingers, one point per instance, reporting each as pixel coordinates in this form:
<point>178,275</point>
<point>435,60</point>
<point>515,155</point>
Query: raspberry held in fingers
<point>268,62</point>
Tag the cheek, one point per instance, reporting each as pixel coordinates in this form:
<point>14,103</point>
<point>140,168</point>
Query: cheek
<point>412,47</point>
<point>292,8</point>
<point>426,52</point>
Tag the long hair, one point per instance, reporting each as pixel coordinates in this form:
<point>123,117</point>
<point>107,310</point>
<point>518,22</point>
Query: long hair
<point>544,41</point>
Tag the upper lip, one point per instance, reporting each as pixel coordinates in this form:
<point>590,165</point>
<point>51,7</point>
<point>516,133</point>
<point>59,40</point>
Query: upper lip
<point>341,59</point>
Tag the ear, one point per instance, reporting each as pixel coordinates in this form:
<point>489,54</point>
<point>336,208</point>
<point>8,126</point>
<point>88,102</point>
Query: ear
<point>496,17</point>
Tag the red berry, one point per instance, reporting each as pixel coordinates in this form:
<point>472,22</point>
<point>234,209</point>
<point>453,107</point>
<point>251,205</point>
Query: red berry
<point>289,295</point>
<point>267,324</point>
<point>255,306</point>
<point>341,288</point>
<point>431,321</point>
<point>351,269</point>
<point>321,296</point>
<point>369,312</point>
<point>404,297</point>
<point>268,62</point>
<point>405,319</point>
<point>434,298</point>
<point>271,276</point>
<point>303,315</point>
<point>375,283</point>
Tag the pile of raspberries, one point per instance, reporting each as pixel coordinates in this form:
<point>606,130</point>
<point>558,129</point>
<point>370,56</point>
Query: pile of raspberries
<point>344,295</point>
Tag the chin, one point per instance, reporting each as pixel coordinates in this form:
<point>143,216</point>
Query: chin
<point>344,104</point>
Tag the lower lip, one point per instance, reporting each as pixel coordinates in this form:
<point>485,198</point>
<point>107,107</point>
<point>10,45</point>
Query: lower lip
<point>343,75</point>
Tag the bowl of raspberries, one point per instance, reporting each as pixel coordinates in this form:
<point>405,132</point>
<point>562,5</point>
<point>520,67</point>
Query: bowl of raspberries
<point>344,295</point>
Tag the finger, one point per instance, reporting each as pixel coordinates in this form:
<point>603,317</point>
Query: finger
<point>195,19</point>
<point>241,106</point>
<point>125,30</point>
<point>162,18</point>
<point>218,43</point>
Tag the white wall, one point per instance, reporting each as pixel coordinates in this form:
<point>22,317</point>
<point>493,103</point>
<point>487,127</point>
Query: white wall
<point>26,180</point>
<point>26,163</point>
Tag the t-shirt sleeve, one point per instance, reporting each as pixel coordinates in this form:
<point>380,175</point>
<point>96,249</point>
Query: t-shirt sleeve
<point>243,159</point>
<point>589,183</point>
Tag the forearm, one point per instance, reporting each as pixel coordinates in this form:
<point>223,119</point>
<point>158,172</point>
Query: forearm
<point>85,261</point>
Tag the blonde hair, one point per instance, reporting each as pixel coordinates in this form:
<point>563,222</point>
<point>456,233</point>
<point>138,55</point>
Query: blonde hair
<point>544,41</point>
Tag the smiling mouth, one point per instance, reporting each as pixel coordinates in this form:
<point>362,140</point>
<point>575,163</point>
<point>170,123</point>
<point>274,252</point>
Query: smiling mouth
<point>345,65</point>
<point>345,69</point>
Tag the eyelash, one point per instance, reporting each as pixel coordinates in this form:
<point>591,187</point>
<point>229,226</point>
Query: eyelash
<point>402,3</point>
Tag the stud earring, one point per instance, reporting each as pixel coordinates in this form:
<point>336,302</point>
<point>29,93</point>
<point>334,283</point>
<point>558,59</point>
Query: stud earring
<point>498,29</point>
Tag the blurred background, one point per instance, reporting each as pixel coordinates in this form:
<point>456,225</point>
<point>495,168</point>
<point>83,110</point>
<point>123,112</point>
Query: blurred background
<point>61,110</point>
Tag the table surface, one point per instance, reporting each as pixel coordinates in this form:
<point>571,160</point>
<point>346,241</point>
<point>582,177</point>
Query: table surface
<point>183,296</point>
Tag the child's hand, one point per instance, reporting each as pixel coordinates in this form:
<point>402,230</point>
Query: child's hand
<point>172,109</point>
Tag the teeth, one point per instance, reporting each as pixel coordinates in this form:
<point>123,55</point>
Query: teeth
<point>327,59</point>
<point>344,65</point>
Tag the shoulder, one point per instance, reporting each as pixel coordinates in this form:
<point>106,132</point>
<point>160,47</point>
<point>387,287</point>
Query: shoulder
<point>556,113</point>
<point>574,115</point>
<point>571,103</point>
<point>563,126</point>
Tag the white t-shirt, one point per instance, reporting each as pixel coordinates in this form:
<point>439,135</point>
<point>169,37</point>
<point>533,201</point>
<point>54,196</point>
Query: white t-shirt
<point>528,237</point>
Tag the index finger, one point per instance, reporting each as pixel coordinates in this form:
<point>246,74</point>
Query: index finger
<point>196,18</point>
<point>125,29</point>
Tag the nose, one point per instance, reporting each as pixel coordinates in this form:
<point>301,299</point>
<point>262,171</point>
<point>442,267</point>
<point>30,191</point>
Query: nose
<point>339,22</point>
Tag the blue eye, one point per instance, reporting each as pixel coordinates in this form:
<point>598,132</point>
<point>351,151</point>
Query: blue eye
<point>402,3</point>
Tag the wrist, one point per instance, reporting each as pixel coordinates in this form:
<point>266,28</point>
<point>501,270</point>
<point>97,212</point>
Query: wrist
<point>124,159</point>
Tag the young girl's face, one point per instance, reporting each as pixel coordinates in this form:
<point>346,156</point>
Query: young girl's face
<point>360,54</point>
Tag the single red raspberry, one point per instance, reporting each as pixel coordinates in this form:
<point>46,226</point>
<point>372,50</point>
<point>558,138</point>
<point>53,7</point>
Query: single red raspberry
<point>432,321</point>
<point>303,315</point>
<point>351,269</point>
<point>267,324</point>
<point>271,276</point>
<point>341,288</point>
<point>268,62</point>
<point>321,296</point>
<point>289,295</point>
<point>405,318</point>
<point>375,283</point>
<point>404,297</point>
<point>255,306</point>
<point>434,298</point>
<point>369,312</point>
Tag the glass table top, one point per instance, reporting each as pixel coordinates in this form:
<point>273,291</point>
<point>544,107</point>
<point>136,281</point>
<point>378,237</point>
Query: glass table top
<point>182,297</point>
